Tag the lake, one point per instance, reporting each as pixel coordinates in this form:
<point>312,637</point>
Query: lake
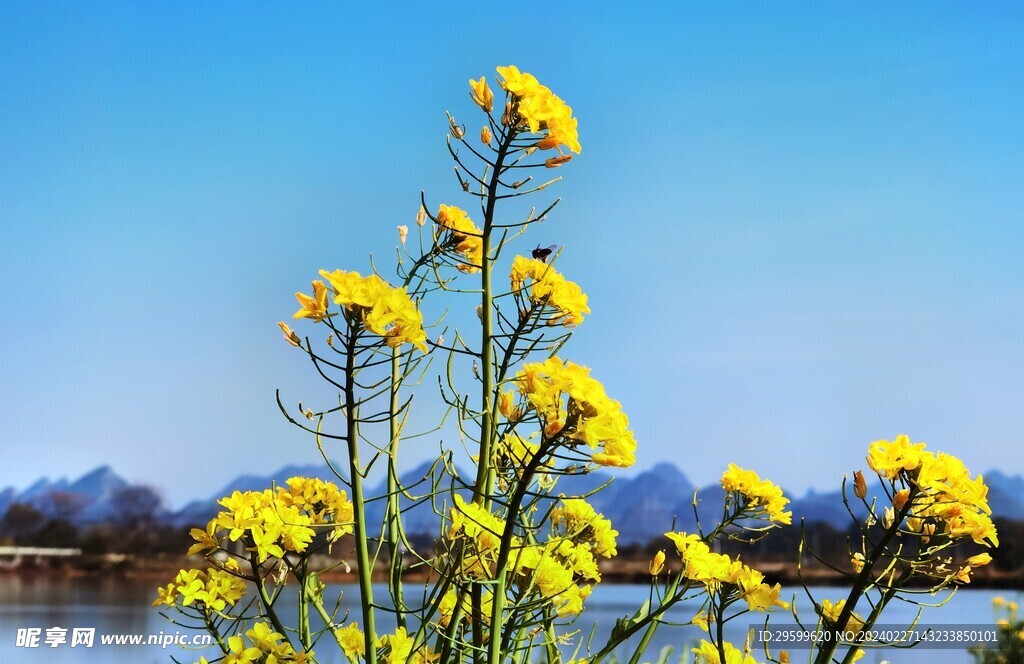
<point>122,606</point>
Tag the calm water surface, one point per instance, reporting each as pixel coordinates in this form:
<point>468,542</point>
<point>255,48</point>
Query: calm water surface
<point>122,606</point>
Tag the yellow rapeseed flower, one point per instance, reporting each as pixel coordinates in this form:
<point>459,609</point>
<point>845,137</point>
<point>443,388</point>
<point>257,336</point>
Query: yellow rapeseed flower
<point>315,306</point>
<point>461,236</point>
<point>481,94</point>
<point>555,390</point>
<point>707,653</point>
<point>537,108</point>
<point>352,641</point>
<point>382,309</point>
<point>546,287</point>
<point>657,563</point>
<point>757,493</point>
<point>577,520</point>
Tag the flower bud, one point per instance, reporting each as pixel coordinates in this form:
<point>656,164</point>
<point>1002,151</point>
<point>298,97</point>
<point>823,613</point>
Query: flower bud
<point>901,498</point>
<point>547,143</point>
<point>979,560</point>
<point>553,428</point>
<point>889,518</point>
<point>506,117</point>
<point>860,487</point>
<point>506,404</point>
<point>481,94</point>
<point>485,136</point>
<point>403,232</point>
<point>555,162</point>
<point>658,563</point>
<point>421,216</point>
<point>456,130</point>
<point>858,562</point>
<point>783,657</point>
<point>289,334</point>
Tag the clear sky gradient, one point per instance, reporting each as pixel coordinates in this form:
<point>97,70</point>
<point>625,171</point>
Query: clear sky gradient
<point>801,225</point>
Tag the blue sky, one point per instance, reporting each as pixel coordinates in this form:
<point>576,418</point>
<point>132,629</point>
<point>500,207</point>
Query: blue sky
<point>800,225</point>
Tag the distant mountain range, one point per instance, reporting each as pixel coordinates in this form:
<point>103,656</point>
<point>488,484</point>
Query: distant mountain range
<point>641,507</point>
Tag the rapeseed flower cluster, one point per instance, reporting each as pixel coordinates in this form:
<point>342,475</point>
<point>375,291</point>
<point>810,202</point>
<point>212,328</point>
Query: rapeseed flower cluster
<point>261,644</point>
<point>707,653</point>
<point>446,607</point>
<point>213,588</point>
<point>548,288</point>
<point>535,107</point>
<point>477,525</point>
<point>397,649</point>
<point>461,236</point>
<point>572,405</point>
<point>382,309</point>
<point>352,641</point>
<point>565,569</point>
<point>576,519</point>
<point>718,572</point>
<point>757,493</point>
<point>272,522</point>
<point>555,570</point>
<point>831,611</point>
<point>946,500</point>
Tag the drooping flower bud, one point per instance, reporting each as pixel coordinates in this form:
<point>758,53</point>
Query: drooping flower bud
<point>555,162</point>
<point>289,334</point>
<point>456,130</point>
<point>485,136</point>
<point>860,487</point>
<point>901,498</point>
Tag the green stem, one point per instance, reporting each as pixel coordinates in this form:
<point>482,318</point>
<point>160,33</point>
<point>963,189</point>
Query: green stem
<point>304,632</point>
<point>363,562</point>
<point>485,473</point>
<point>653,626</point>
<point>212,629</point>
<point>505,550</point>
<point>485,476</point>
<point>328,620</point>
<point>268,603</point>
<point>394,527</point>
<point>864,579</point>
